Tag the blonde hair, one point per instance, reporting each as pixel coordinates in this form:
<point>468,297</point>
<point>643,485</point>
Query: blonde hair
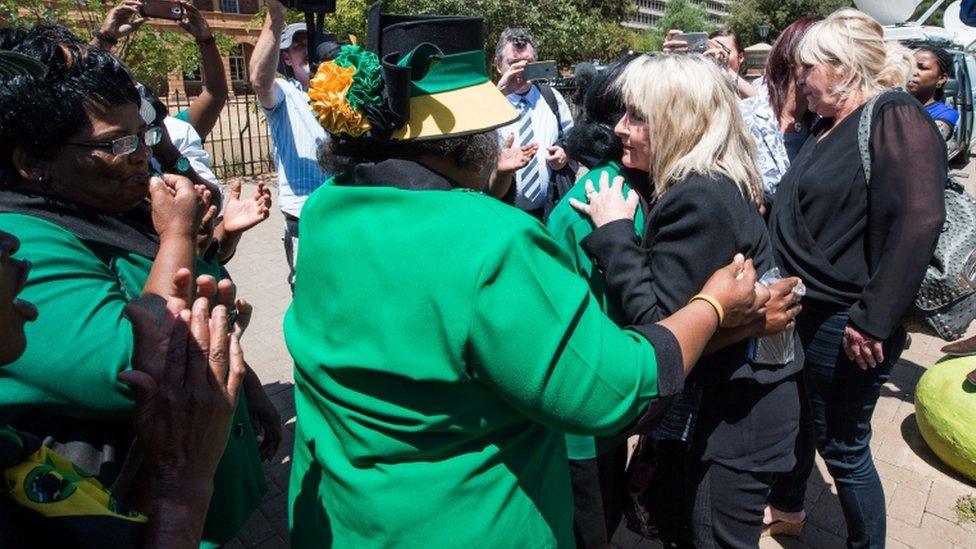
<point>900,60</point>
<point>693,120</point>
<point>852,44</point>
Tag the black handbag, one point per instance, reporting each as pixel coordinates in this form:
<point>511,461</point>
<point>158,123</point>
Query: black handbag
<point>945,304</point>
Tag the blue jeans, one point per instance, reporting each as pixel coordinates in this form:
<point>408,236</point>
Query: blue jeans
<point>836,419</point>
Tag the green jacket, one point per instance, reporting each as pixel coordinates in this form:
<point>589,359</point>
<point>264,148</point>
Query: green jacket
<point>568,228</point>
<point>443,344</point>
<point>80,342</point>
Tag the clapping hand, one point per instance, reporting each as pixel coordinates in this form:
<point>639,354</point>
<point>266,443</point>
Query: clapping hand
<point>178,205</point>
<point>241,215</point>
<point>512,158</point>
<point>186,378</point>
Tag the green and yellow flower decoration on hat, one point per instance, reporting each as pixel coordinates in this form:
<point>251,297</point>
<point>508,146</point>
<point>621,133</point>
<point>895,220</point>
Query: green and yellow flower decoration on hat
<point>341,88</point>
<point>420,78</point>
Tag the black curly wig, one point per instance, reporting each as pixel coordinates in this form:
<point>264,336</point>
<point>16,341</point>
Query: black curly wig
<point>39,114</point>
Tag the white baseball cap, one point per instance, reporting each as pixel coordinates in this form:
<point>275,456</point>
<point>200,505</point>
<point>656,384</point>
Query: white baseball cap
<point>288,35</point>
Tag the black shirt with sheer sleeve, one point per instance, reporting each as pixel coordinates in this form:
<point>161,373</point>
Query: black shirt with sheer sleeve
<point>858,248</point>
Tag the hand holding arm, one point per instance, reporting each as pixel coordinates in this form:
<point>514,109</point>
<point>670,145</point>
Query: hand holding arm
<point>608,204</point>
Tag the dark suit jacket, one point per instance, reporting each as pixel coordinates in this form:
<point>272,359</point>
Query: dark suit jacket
<point>748,420</point>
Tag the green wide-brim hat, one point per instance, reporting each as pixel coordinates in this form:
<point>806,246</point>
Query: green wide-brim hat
<point>435,75</point>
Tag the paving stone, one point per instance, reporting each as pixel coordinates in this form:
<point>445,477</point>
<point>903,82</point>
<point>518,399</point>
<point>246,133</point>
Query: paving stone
<point>907,505</point>
<point>819,538</point>
<point>949,530</point>
<point>943,497</point>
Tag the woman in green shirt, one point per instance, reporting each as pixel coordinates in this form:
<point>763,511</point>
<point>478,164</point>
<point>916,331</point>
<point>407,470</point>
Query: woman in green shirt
<point>443,343</point>
<point>74,176</point>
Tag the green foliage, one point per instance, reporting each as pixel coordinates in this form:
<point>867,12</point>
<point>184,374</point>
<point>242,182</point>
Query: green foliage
<point>679,14</point>
<point>936,18</point>
<point>745,16</point>
<point>966,509</point>
<point>150,53</point>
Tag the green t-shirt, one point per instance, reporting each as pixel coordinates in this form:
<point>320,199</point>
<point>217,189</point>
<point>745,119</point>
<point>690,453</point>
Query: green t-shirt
<point>81,341</point>
<point>569,228</point>
<point>443,343</point>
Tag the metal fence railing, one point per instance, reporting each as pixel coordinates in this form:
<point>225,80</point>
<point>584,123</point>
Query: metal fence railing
<point>239,144</point>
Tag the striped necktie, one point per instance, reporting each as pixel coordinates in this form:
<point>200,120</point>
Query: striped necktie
<point>529,178</point>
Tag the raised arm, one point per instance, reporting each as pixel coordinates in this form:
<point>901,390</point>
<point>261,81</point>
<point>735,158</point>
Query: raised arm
<point>205,109</point>
<point>264,60</point>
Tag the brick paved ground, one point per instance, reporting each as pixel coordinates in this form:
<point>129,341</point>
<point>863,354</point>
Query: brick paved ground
<point>921,493</point>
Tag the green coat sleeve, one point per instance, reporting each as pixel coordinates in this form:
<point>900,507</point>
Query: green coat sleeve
<point>80,340</point>
<point>539,339</point>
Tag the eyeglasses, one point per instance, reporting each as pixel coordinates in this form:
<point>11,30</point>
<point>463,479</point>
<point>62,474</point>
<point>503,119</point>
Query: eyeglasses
<point>127,144</point>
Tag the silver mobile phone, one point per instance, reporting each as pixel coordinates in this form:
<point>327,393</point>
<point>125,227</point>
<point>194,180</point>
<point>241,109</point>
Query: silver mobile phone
<point>542,70</point>
<point>697,41</point>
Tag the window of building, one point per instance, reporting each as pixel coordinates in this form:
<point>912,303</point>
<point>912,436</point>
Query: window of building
<point>230,6</point>
<point>237,63</point>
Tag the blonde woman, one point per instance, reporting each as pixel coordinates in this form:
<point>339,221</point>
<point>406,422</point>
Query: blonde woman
<point>735,425</point>
<point>861,250</point>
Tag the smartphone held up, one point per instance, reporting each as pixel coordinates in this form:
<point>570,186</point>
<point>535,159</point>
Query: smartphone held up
<point>162,9</point>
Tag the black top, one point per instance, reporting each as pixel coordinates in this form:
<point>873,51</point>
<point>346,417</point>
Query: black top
<point>694,229</point>
<point>856,249</point>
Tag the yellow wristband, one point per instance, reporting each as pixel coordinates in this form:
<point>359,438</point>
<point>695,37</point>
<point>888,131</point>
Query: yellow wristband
<point>714,303</point>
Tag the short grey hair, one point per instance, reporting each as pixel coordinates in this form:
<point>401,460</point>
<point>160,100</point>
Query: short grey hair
<point>518,38</point>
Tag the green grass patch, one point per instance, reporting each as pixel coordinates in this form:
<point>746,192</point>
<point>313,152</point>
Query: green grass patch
<point>966,509</point>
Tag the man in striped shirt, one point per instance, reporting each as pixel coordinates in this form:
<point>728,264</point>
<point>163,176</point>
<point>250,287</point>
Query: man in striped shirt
<point>295,132</point>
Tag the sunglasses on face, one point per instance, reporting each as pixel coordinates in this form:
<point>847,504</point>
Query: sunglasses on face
<point>125,145</point>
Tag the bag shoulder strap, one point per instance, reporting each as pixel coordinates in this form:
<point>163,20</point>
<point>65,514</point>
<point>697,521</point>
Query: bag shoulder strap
<point>864,134</point>
<point>550,98</point>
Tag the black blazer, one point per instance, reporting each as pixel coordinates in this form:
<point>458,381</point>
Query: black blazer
<point>694,229</point>
<point>749,413</point>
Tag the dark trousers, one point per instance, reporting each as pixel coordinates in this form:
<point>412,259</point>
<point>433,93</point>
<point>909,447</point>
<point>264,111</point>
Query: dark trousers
<point>706,504</point>
<point>836,421</point>
<point>598,486</point>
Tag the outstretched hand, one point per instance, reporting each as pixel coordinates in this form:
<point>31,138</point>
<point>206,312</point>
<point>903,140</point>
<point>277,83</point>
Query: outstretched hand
<point>241,215</point>
<point>512,158</point>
